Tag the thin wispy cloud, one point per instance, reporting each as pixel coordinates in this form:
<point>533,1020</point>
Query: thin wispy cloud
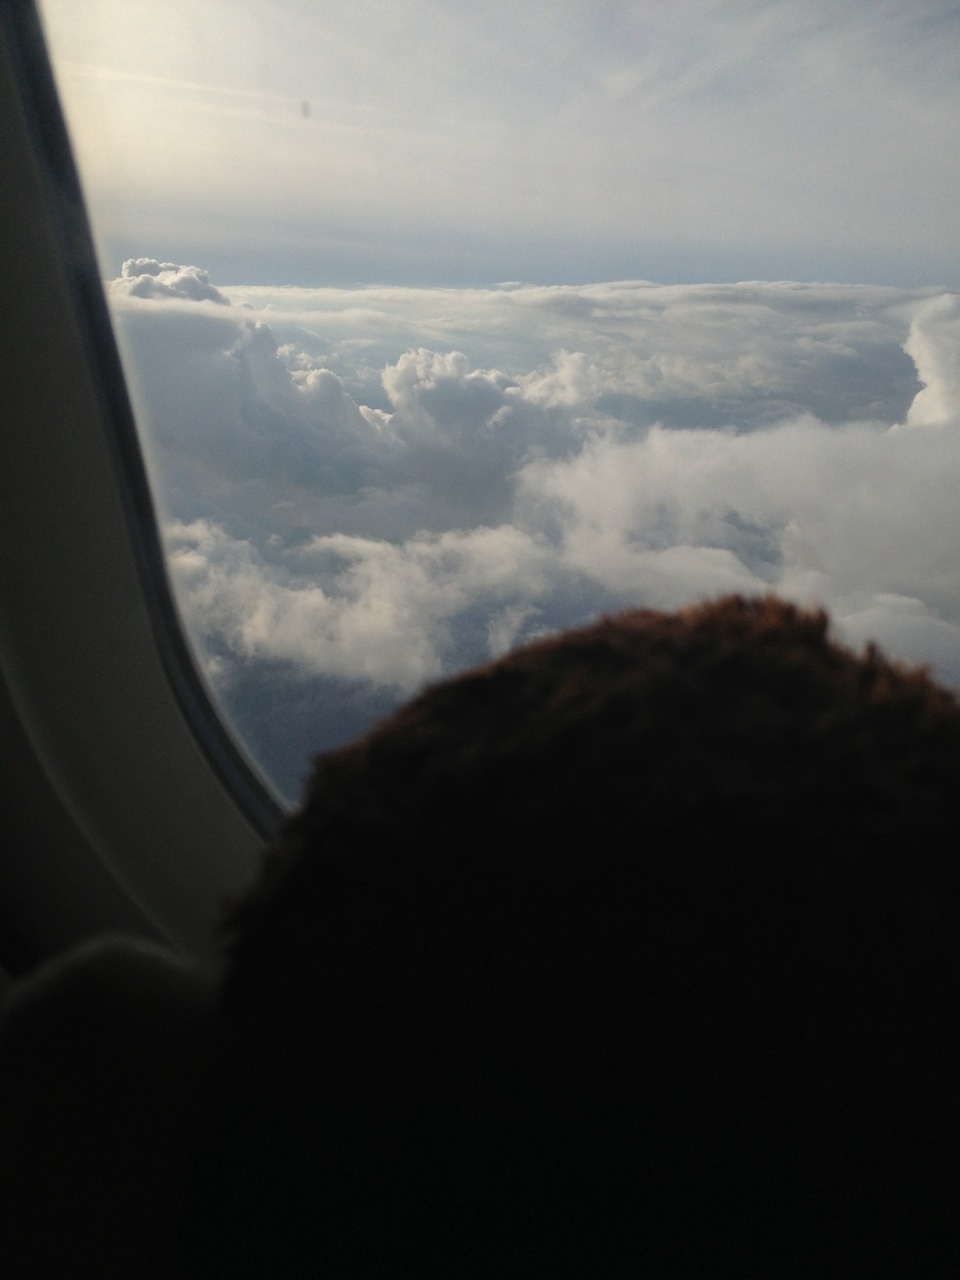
<point>694,140</point>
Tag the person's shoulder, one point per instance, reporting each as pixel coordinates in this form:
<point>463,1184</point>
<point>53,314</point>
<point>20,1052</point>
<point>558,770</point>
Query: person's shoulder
<point>102,980</point>
<point>104,1071</point>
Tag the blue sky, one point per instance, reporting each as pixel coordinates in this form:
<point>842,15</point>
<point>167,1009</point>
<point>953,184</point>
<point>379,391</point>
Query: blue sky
<point>568,141</point>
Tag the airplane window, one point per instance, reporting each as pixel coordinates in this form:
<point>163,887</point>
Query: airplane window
<point>448,326</point>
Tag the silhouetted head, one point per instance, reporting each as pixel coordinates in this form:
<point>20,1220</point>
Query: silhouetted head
<point>634,953</point>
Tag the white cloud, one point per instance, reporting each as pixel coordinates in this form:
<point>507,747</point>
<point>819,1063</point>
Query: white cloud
<point>357,608</point>
<point>907,627</point>
<point>871,507</point>
<point>934,347</point>
<point>379,510</point>
<point>147,278</point>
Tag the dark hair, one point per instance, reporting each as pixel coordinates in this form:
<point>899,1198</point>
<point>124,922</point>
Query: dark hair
<point>632,953</point>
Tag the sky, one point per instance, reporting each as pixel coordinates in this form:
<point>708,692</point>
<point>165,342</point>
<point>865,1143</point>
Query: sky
<point>553,141</point>
<point>450,326</point>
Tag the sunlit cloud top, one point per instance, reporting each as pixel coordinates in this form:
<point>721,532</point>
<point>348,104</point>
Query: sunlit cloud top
<point>568,141</point>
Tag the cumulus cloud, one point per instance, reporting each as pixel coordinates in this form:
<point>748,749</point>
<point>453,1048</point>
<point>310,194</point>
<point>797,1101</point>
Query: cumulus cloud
<point>934,347</point>
<point>361,608</point>
<point>365,490</point>
<point>147,278</point>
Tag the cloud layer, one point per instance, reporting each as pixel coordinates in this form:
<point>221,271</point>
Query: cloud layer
<point>364,490</point>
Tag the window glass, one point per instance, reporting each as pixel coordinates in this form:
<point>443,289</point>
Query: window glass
<point>448,326</point>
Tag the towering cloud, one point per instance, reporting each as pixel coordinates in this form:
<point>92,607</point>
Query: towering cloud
<point>365,489</point>
<point>147,278</point>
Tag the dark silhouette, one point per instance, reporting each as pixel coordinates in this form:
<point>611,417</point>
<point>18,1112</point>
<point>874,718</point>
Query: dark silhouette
<point>633,954</point>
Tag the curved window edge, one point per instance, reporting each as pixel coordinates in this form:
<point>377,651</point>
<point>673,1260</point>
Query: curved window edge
<point>96,668</point>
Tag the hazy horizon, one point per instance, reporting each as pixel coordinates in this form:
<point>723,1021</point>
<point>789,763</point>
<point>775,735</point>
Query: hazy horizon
<point>566,141</point>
